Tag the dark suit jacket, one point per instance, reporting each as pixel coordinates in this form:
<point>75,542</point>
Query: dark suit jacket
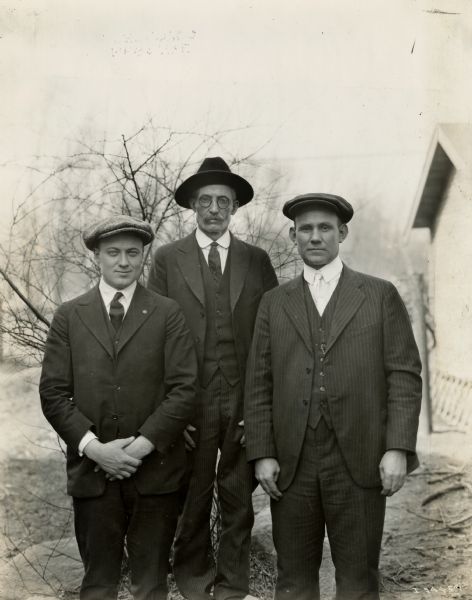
<point>176,273</point>
<point>146,386</point>
<point>372,373</point>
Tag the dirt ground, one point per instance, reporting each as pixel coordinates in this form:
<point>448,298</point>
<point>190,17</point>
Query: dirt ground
<point>427,550</point>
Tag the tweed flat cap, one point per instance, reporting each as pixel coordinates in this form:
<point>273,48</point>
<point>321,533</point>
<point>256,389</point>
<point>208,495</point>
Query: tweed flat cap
<point>214,170</point>
<point>335,203</point>
<point>115,225</point>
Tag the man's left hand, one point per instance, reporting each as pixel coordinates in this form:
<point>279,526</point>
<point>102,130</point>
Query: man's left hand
<point>139,448</point>
<point>242,441</point>
<point>392,471</point>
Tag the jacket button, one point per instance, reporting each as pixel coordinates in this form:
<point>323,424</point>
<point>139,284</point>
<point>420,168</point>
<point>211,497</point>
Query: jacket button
<point>305,402</point>
<point>114,417</point>
<point>308,370</point>
<point>322,388</point>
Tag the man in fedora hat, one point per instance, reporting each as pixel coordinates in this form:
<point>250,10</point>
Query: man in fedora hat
<point>333,394</point>
<point>218,280</point>
<point>118,385</point>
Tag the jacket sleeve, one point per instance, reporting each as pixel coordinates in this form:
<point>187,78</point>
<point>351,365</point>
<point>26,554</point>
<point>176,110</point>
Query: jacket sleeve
<point>56,386</point>
<point>258,426</point>
<point>171,417</point>
<point>157,280</point>
<point>269,278</point>
<point>403,374</point>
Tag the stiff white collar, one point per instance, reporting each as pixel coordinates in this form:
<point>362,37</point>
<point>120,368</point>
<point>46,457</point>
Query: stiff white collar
<point>107,292</point>
<point>204,241</point>
<point>329,271</point>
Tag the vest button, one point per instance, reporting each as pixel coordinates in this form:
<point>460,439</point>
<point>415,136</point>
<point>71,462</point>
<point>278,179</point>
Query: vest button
<point>321,374</point>
<point>322,388</point>
<point>308,370</point>
<point>305,402</point>
<point>114,417</point>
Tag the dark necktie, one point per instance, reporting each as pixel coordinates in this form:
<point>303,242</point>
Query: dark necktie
<point>117,311</point>
<point>214,262</point>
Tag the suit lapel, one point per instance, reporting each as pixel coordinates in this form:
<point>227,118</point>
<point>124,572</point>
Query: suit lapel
<point>139,310</point>
<point>239,266</point>
<point>349,301</point>
<point>189,264</point>
<point>295,308</point>
<point>90,311</point>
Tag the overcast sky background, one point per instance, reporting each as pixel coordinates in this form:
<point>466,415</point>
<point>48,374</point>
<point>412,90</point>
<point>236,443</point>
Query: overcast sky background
<point>344,94</point>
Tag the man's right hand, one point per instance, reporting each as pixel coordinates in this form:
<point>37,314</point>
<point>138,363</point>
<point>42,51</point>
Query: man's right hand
<point>189,441</point>
<point>112,458</point>
<point>267,472</point>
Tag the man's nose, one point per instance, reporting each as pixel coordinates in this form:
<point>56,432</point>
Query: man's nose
<point>124,259</point>
<point>315,237</point>
<point>214,208</point>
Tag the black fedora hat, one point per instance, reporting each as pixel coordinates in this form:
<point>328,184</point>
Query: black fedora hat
<point>214,170</point>
<point>335,203</point>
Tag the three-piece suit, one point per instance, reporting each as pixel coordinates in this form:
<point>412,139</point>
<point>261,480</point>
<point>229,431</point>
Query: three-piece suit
<point>327,396</point>
<point>221,319</point>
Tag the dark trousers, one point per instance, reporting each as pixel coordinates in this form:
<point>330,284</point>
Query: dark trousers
<point>101,525</point>
<point>195,570</point>
<point>324,495</point>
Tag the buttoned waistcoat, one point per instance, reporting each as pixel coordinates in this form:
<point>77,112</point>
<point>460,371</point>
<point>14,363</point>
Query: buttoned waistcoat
<point>177,273</point>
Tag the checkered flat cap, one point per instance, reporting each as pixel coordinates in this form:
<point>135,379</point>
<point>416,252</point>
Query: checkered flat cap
<point>115,225</point>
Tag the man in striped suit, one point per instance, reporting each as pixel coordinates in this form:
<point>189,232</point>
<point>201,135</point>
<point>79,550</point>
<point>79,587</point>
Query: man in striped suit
<point>333,395</point>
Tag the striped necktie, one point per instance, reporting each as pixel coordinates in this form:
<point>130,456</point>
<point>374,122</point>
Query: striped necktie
<point>214,262</point>
<point>117,311</point>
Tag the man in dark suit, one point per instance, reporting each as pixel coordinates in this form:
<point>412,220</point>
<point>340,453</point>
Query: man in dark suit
<point>218,282</point>
<point>333,394</point>
<point>118,385</point>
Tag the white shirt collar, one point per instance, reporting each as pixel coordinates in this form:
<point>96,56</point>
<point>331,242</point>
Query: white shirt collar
<point>329,271</point>
<point>204,241</point>
<point>107,291</point>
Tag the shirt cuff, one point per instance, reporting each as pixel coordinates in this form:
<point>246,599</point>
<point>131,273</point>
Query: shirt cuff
<point>88,437</point>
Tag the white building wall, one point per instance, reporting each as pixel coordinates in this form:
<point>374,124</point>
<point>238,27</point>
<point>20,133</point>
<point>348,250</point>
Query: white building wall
<point>452,280</point>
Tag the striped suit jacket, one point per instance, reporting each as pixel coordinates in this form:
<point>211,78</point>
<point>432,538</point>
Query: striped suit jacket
<point>372,373</point>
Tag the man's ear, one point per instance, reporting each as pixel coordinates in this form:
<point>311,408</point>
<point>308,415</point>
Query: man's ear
<point>292,235</point>
<point>235,207</point>
<point>343,231</point>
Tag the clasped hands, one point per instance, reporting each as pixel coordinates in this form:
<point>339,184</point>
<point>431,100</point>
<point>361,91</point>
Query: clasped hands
<point>392,473</point>
<point>119,459</point>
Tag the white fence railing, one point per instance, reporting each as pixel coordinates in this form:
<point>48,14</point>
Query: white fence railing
<point>452,400</point>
